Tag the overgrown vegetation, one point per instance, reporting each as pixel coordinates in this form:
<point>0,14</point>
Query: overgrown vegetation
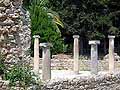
<point>19,75</point>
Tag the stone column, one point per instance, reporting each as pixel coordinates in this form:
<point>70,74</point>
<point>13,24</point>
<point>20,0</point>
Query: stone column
<point>111,54</point>
<point>76,53</point>
<point>94,56</point>
<point>36,54</point>
<point>46,61</point>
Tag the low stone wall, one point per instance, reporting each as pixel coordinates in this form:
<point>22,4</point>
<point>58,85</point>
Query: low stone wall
<point>60,64</point>
<point>4,85</point>
<point>67,64</point>
<point>99,82</point>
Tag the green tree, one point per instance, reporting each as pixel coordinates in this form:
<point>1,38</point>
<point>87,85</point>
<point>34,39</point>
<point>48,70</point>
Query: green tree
<point>89,18</point>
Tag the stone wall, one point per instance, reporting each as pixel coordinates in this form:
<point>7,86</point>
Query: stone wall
<point>60,64</point>
<point>15,33</point>
<point>4,85</point>
<point>99,82</point>
<point>67,64</point>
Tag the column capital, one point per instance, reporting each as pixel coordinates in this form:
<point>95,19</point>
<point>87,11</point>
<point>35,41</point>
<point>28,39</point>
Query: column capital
<point>36,36</point>
<point>94,42</point>
<point>76,36</point>
<point>44,45</point>
<point>111,37</point>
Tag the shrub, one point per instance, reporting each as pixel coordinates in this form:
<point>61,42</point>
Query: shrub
<point>44,24</point>
<point>20,76</point>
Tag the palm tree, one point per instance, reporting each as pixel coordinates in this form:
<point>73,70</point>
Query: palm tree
<point>41,4</point>
<point>56,19</point>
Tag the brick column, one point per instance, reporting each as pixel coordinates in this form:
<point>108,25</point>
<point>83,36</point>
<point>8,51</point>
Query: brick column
<point>111,54</point>
<point>36,54</point>
<point>94,56</point>
<point>46,61</point>
<point>76,53</point>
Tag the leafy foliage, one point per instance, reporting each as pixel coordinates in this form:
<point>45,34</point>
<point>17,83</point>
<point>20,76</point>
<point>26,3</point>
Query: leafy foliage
<point>44,23</point>
<point>19,75</point>
<point>89,18</point>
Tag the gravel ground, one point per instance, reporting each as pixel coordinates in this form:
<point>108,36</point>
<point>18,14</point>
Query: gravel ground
<point>68,74</point>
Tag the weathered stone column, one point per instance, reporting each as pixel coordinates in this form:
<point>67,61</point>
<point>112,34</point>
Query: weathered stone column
<point>111,54</point>
<point>36,54</point>
<point>76,53</point>
<point>46,61</point>
<point>94,56</point>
